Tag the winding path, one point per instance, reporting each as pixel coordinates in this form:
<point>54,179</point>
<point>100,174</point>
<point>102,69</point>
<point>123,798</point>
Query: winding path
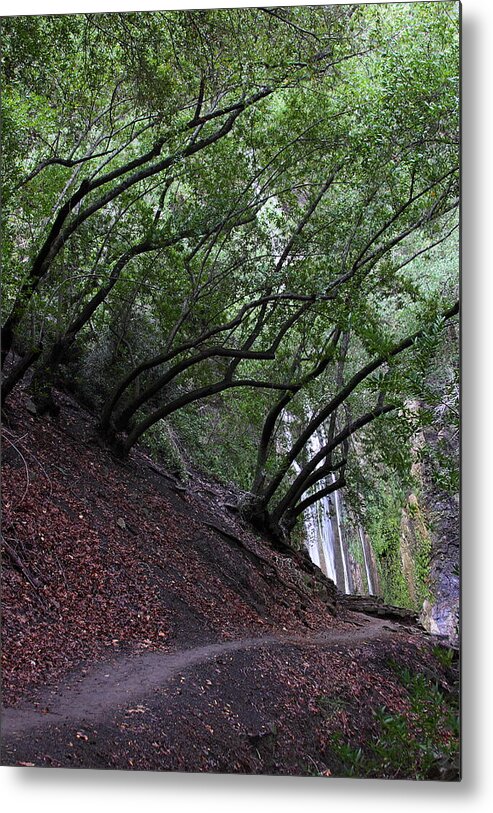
<point>112,684</point>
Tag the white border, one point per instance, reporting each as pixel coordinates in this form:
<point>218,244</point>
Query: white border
<point>74,791</point>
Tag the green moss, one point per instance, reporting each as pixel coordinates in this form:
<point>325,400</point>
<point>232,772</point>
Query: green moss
<point>355,549</point>
<point>384,529</point>
<point>395,588</point>
<point>420,549</point>
<point>422,560</point>
<point>399,534</point>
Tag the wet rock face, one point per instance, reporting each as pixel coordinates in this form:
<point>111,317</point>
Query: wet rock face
<point>442,614</point>
<point>441,617</point>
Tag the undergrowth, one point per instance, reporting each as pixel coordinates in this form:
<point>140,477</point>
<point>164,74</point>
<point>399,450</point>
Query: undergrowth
<point>421,743</point>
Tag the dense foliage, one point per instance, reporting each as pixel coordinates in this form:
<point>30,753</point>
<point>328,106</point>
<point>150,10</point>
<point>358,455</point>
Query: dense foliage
<point>231,231</point>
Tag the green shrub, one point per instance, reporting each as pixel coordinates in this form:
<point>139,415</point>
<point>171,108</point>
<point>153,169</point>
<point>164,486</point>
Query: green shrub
<point>421,743</point>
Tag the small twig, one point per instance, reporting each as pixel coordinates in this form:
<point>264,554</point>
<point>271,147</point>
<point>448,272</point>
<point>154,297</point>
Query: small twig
<point>19,564</point>
<point>28,481</point>
<point>12,434</point>
<point>42,469</point>
<point>175,485</point>
<point>315,764</point>
<point>36,460</point>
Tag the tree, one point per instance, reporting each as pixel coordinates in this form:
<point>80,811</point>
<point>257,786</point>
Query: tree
<point>232,201</point>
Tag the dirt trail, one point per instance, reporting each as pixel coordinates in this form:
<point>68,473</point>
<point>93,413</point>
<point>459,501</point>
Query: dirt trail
<point>109,685</point>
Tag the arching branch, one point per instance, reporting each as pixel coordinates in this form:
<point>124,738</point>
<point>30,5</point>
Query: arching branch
<point>337,400</point>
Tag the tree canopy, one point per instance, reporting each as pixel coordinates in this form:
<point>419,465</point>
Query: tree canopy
<point>237,217</point>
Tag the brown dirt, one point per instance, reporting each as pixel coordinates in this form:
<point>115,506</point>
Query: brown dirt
<point>106,686</point>
<point>220,706</point>
<point>146,627</point>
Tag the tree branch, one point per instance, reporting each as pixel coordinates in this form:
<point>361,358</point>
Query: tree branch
<point>341,396</point>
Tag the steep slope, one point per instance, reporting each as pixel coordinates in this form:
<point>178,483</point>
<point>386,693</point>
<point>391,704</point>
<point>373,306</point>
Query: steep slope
<point>146,627</point>
<point>107,555</point>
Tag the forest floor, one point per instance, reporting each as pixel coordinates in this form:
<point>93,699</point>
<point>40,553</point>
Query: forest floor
<point>146,627</point>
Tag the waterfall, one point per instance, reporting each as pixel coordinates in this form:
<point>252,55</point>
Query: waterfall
<point>319,533</point>
<point>369,580</point>
<point>318,526</point>
<point>324,538</point>
<point>320,537</point>
<point>311,544</point>
<point>344,556</point>
<point>318,519</point>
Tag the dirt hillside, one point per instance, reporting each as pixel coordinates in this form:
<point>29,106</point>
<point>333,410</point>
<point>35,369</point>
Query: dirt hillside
<point>146,627</point>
